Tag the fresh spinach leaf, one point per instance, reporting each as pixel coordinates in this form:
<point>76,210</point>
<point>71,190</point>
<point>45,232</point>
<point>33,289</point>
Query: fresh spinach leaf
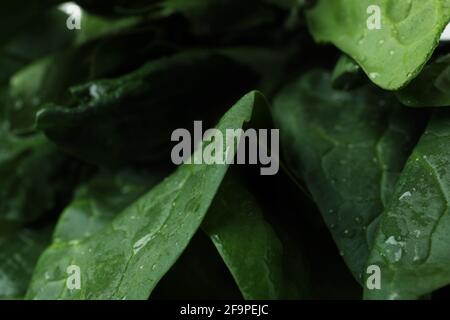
<point>96,203</point>
<point>391,53</point>
<point>259,264</point>
<point>330,138</point>
<point>48,80</point>
<point>411,246</point>
<point>31,180</point>
<point>128,258</point>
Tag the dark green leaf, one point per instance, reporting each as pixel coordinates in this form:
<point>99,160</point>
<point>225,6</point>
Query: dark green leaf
<point>31,177</point>
<point>412,240</point>
<point>48,80</point>
<point>116,118</point>
<point>96,203</point>
<point>128,258</point>
<point>395,53</point>
<point>260,263</point>
<point>349,148</point>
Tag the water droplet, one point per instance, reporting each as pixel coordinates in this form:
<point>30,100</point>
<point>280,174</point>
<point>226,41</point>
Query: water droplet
<point>138,245</point>
<point>392,52</point>
<point>393,296</point>
<point>154,267</point>
<point>405,195</point>
<point>381,42</point>
<point>96,91</point>
<point>391,240</point>
<point>374,75</point>
<point>348,233</point>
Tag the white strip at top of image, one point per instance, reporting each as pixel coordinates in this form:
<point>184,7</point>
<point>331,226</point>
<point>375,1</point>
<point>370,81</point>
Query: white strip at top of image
<point>446,35</point>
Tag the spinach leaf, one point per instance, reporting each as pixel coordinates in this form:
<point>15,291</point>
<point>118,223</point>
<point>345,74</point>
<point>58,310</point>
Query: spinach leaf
<point>395,53</point>
<point>117,117</point>
<point>96,203</point>
<point>271,273</point>
<point>197,273</point>
<point>48,80</point>
<point>128,258</point>
<point>260,264</point>
<point>330,138</point>
<point>19,253</point>
<point>31,180</point>
<point>411,246</point>
<point>430,88</point>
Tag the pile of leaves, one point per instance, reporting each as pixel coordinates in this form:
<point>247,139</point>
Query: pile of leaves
<point>86,180</point>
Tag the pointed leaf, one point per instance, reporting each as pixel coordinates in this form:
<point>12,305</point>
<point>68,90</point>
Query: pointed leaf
<point>393,54</point>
